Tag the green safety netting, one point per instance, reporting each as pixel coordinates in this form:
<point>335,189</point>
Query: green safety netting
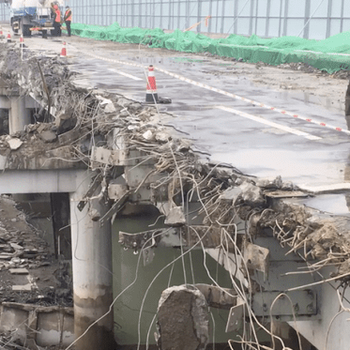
<point>331,55</point>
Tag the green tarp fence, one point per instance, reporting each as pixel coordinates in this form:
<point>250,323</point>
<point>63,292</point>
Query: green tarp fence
<point>330,55</point>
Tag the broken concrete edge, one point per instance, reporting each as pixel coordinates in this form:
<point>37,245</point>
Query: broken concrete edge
<point>33,326</point>
<point>143,141</point>
<point>38,308</point>
<point>254,192</point>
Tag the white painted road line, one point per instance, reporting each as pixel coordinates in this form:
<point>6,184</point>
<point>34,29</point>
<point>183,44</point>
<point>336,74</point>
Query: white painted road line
<point>124,74</point>
<point>326,188</point>
<point>229,94</point>
<point>255,103</point>
<point>267,122</point>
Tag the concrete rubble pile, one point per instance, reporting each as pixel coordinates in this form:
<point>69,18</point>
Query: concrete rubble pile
<point>113,136</point>
<point>28,273</point>
<point>89,116</point>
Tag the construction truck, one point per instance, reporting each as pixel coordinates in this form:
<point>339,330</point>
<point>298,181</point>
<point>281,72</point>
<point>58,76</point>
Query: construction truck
<point>27,16</point>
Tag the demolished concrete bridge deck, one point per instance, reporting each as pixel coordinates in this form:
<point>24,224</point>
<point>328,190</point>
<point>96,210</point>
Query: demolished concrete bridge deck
<point>119,154</point>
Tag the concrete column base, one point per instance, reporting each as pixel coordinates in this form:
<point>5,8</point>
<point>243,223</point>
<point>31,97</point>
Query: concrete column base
<point>87,311</point>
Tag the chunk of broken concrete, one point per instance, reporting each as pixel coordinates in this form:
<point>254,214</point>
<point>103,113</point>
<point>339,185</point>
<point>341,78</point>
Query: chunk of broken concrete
<point>109,108</point>
<point>256,257</point>
<point>48,136</point>
<point>269,184</point>
<point>22,288</point>
<point>4,256</point>
<point>183,319</point>
<point>162,137</point>
<point>231,194</point>
<point>148,135</point>
<point>107,104</point>
<point>65,122</point>
<point>16,246</point>
<point>15,260</point>
<point>251,195</point>
<point>19,271</point>
<point>14,143</point>
<point>176,217</point>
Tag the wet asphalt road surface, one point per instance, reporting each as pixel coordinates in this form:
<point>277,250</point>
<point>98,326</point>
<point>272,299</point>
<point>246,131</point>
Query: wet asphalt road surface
<point>256,140</point>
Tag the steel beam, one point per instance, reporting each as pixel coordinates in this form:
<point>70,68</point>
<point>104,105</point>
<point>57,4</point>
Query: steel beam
<point>331,331</point>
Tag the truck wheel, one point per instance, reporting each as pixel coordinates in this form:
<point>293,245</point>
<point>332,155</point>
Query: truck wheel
<point>15,31</point>
<point>25,30</point>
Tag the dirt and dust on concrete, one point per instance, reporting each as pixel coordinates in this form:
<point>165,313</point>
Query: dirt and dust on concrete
<point>30,274</point>
<point>29,271</point>
<point>298,80</point>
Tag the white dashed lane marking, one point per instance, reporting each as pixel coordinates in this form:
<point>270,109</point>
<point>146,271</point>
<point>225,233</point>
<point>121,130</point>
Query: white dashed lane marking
<point>124,74</point>
<point>267,122</point>
<point>228,94</point>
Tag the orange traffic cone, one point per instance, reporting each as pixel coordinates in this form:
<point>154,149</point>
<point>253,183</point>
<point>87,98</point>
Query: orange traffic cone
<point>151,92</point>
<point>64,50</point>
<point>9,37</point>
<point>21,42</point>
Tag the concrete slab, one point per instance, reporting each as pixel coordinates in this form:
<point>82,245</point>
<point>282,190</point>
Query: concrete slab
<point>19,271</point>
<point>22,288</point>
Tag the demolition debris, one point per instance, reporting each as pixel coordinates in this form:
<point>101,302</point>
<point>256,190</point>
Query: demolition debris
<point>135,159</point>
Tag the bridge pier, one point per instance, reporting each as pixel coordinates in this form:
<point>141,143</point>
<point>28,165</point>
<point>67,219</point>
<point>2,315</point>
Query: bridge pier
<point>19,114</point>
<point>92,276</point>
<point>19,109</point>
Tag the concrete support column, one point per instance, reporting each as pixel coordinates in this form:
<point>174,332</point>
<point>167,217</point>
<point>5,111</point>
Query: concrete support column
<point>92,276</point>
<point>5,106</point>
<point>4,102</point>
<point>19,115</point>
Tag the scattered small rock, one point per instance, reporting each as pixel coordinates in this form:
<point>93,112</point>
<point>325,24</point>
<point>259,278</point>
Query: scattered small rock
<point>14,143</point>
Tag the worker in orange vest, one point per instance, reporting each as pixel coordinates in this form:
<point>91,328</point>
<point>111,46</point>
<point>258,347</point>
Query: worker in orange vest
<point>57,20</point>
<point>68,19</point>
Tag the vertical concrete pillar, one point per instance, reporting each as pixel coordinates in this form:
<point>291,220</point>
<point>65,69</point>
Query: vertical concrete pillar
<point>4,100</point>
<point>5,106</point>
<point>19,115</point>
<point>92,277</point>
